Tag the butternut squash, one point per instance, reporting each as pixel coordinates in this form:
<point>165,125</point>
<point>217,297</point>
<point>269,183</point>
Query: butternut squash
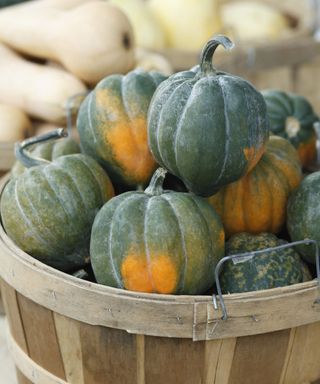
<point>151,61</point>
<point>91,40</point>
<point>38,90</point>
<point>15,125</point>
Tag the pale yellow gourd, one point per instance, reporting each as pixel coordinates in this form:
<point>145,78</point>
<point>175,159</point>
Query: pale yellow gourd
<point>148,32</point>
<point>150,61</point>
<point>254,21</point>
<point>188,24</point>
<point>91,40</point>
<point>38,90</point>
<point>15,125</point>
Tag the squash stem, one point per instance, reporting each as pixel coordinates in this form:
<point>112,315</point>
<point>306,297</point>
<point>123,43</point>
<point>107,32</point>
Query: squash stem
<point>209,49</point>
<point>25,157</point>
<point>155,187</point>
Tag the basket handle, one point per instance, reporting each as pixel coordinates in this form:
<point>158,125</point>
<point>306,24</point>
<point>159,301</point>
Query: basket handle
<point>242,257</point>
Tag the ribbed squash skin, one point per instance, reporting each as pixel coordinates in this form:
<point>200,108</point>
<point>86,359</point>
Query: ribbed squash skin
<point>49,151</point>
<point>112,124</point>
<point>257,202</point>
<point>282,106</point>
<point>303,214</point>
<point>48,211</point>
<point>167,243</point>
<point>268,270</point>
<point>209,129</point>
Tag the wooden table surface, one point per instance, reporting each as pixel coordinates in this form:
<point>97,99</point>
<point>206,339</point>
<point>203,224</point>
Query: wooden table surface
<point>7,371</point>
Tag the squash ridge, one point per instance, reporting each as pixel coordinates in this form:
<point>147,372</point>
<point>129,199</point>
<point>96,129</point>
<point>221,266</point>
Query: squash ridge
<point>148,258</point>
<point>27,220</point>
<point>185,254</point>
<point>227,132</point>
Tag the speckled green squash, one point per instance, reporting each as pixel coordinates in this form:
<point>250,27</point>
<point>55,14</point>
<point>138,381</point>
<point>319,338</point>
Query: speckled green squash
<point>303,214</point>
<point>157,241</point>
<point>48,210</point>
<point>292,117</point>
<point>208,128</point>
<point>49,151</point>
<point>268,270</point>
<point>112,124</point>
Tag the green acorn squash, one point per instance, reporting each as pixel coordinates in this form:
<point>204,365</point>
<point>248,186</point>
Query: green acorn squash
<point>208,128</point>
<point>292,117</point>
<point>49,209</point>
<point>112,125</point>
<point>268,270</point>
<point>303,214</point>
<point>157,241</point>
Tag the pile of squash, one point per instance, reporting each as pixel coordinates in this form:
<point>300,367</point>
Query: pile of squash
<point>174,173</point>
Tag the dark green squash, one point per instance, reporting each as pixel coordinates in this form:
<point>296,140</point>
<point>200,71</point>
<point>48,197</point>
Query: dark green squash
<point>49,151</point>
<point>292,117</point>
<point>49,209</point>
<point>268,270</point>
<point>157,241</point>
<point>303,214</point>
<point>208,128</point>
<point>7,3</point>
<point>112,125</point>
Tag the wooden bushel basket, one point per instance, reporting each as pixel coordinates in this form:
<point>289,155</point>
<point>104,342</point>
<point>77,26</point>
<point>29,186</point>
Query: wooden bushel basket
<point>66,330</point>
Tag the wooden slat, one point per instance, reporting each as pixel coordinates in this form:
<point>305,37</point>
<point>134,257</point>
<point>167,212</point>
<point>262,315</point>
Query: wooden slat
<point>244,57</point>
<point>288,354</point>
<point>212,350</point>
<point>39,328</point>
<point>141,358</point>
<point>225,362</point>
<point>180,359</point>
<point>303,364</point>
<point>13,315</point>
<point>68,333</point>
<point>21,378</point>
<point>108,355</point>
<point>260,358</point>
<point>276,78</point>
<point>218,360</point>
<point>29,369</point>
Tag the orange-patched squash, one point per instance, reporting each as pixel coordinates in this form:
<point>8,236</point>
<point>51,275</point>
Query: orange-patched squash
<point>157,241</point>
<point>112,124</point>
<point>257,202</point>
